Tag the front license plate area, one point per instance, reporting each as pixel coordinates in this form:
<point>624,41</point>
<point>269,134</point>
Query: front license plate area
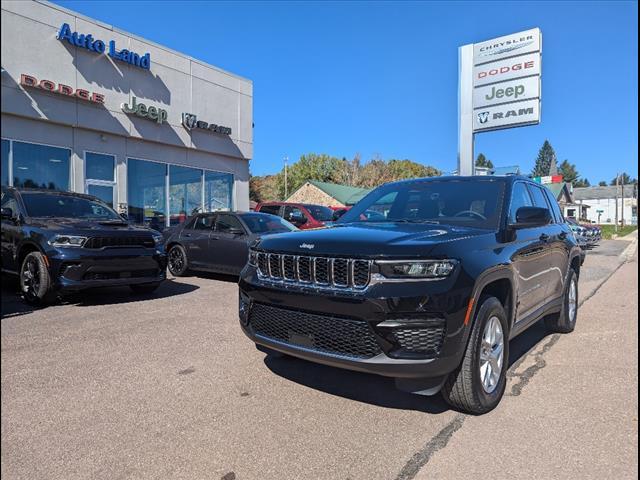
<point>301,339</point>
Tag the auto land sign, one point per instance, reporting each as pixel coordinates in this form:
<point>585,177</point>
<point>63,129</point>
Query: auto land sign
<point>506,92</point>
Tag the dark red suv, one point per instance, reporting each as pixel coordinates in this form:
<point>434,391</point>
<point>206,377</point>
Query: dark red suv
<point>303,215</point>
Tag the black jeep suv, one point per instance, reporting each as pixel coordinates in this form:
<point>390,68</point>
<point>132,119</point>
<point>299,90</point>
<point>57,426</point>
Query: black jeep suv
<point>58,241</point>
<point>430,291</point>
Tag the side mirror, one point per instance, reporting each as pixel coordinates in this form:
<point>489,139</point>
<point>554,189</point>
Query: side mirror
<point>7,214</point>
<point>337,214</point>
<point>530,217</point>
<point>235,231</point>
<point>124,216</point>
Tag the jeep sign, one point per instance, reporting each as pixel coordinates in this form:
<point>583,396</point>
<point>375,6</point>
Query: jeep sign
<point>505,92</point>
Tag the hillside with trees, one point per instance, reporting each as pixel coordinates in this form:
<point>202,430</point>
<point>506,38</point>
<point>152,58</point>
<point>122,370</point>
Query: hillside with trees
<point>326,168</point>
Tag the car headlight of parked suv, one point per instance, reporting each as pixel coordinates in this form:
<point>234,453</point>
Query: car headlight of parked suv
<point>67,241</point>
<point>417,268</point>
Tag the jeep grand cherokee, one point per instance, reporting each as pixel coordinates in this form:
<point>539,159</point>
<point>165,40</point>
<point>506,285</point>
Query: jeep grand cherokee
<point>429,292</point>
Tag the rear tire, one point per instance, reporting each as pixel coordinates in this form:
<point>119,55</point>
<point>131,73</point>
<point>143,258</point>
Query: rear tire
<point>178,263</point>
<point>565,321</point>
<point>478,384</point>
<point>145,288</point>
<point>36,284</point>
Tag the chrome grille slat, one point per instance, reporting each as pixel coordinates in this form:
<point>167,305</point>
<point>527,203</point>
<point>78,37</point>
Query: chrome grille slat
<point>325,272</point>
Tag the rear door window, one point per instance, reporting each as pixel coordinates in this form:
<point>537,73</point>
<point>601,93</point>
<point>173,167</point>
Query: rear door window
<point>555,208</point>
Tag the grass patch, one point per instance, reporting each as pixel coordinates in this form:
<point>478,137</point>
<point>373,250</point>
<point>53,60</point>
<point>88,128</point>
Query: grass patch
<point>609,230</point>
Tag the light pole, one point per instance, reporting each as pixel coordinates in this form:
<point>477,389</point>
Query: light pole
<point>286,189</point>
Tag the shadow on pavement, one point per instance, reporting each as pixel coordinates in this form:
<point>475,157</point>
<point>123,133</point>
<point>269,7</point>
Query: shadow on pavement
<point>221,277</point>
<point>361,387</point>
<point>526,341</point>
<point>13,305</point>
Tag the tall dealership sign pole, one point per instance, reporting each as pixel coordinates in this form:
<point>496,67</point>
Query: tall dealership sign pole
<point>499,87</point>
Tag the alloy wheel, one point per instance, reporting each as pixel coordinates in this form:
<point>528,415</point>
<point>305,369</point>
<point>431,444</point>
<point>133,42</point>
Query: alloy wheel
<point>491,354</point>
<point>30,277</point>
<point>176,260</point>
<point>573,300</point>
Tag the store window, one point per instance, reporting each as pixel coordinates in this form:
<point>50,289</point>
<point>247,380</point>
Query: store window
<point>185,193</point>
<point>218,191</point>
<point>147,192</point>
<point>99,176</point>
<point>40,166</point>
<point>5,162</point>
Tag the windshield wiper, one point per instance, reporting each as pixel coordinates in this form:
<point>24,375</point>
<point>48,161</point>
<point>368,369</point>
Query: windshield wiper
<point>413,220</point>
<point>112,222</point>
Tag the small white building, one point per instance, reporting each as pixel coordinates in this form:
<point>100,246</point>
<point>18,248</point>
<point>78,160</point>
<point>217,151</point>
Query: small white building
<point>602,203</point>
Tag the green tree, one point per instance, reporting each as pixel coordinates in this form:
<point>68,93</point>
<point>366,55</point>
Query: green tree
<point>602,183</point>
<point>569,173</point>
<point>482,161</point>
<point>322,167</point>
<point>624,179</point>
<point>581,183</point>
<point>546,159</point>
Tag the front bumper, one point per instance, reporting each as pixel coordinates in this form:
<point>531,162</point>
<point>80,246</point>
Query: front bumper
<point>384,314</point>
<point>77,268</point>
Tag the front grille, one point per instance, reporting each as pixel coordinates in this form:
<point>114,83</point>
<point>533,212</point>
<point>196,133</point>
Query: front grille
<point>426,341</point>
<point>323,333</point>
<point>321,271</point>
<point>120,241</point>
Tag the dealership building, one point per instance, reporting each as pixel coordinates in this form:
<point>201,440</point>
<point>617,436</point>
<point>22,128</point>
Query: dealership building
<point>89,108</point>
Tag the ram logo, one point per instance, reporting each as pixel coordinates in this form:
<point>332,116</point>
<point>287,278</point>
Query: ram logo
<point>483,117</point>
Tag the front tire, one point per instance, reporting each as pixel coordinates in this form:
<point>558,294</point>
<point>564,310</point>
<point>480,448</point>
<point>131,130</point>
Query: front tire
<point>35,281</point>
<point>478,384</point>
<point>565,321</point>
<point>178,263</point>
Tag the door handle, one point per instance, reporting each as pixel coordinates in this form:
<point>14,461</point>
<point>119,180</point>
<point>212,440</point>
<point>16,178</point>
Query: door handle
<point>187,234</point>
<point>215,238</point>
<point>544,237</point>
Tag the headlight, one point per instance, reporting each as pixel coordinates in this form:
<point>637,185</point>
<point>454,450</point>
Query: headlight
<point>67,241</point>
<point>253,258</point>
<point>417,269</point>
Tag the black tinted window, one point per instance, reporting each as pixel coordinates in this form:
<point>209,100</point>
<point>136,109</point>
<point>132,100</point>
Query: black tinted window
<point>66,206</point>
<point>272,209</point>
<point>539,199</point>
<point>320,213</point>
<point>9,201</point>
<point>203,222</point>
<point>224,223</point>
<point>263,223</point>
<point>475,203</point>
<point>519,198</point>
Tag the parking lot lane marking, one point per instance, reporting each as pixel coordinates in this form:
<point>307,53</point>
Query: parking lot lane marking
<point>422,457</point>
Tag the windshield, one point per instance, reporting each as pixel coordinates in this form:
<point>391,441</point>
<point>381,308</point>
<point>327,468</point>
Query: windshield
<point>265,223</point>
<point>454,202</point>
<point>66,206</point>
<point>320,213</point>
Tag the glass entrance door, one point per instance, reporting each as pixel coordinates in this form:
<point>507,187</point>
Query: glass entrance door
<point>103,192</point>
<point>100,176</point>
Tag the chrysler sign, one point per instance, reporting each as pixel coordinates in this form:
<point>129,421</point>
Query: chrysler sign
<point>507,46</point>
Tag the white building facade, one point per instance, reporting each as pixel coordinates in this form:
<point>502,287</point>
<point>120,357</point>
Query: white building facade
<point>602,203</point>
<point>92,109</point>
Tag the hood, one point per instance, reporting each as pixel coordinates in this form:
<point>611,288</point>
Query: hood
<point>77,226</point>
<point>368,240</point>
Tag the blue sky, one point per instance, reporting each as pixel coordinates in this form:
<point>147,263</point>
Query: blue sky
<point>380,78</point>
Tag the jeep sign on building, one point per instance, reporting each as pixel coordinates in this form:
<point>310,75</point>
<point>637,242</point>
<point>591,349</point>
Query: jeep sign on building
<point>89,108</point>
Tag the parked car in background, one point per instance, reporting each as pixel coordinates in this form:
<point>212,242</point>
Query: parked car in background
<point>592,233</point>
<point>431,293</point>
<point>218,242</point>
<point>303,215</point>
<point>59,242</point>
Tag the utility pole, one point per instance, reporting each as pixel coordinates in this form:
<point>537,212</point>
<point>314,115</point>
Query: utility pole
<point>622,202</point>
<point>616,226</point>
<point>286,186</point>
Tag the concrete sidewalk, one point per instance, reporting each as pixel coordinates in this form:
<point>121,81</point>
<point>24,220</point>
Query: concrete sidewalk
<point>577,417</point>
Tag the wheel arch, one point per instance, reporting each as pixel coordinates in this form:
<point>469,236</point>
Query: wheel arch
<point>498,282</point>
<point>24,249</point>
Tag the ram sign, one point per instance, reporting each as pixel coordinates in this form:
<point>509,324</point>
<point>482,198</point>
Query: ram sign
<point>506,78</point>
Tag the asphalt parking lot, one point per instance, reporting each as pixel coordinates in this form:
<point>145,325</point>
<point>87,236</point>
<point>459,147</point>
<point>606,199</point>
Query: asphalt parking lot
<point>111,385</point>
